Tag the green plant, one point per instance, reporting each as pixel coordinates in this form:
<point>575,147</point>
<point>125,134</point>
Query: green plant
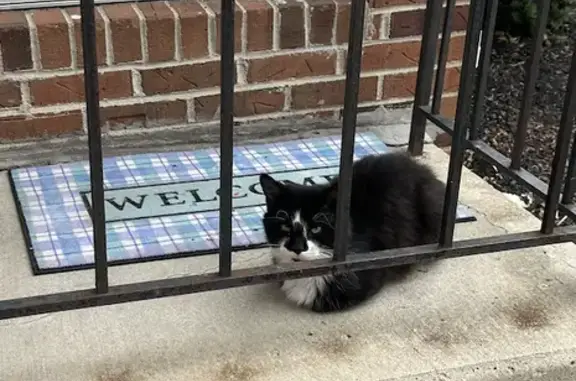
<point>519,17</point>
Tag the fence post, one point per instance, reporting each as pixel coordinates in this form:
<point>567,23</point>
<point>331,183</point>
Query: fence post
<point>432,18</point>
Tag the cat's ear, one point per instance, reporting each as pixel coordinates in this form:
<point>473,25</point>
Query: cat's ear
<point>270,187</point>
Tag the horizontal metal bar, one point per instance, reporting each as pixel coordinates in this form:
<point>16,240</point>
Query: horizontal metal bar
<point>534,184</point>
<point>198,283</point>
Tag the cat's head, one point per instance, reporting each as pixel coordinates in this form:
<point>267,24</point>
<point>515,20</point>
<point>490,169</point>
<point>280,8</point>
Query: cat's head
<point>299,220</point>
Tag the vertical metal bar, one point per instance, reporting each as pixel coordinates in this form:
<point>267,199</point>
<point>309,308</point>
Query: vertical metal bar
<point>443,57</point>
<point>487,38</point>
<point>226,135</point>
<point>91,88</point>
<point>432,18</point>
<point>532,67</point>
<point>475,17</point>
<point>561,151</point>
<point>570,181</point>
<point>353,67</point>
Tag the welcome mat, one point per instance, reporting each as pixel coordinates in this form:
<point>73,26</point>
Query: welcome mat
<point>164,205</point>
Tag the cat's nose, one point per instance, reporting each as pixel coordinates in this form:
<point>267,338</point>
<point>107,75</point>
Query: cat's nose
<point>300,248</point>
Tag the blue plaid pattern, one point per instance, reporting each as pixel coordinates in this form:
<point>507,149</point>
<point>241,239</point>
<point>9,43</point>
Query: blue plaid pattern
<point>60,227</point>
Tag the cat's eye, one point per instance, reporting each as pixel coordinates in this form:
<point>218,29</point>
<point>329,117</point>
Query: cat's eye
<point>285,228</point>
<point>316,230</point>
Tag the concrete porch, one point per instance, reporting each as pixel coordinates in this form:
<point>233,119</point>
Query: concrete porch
<point>504,316</point>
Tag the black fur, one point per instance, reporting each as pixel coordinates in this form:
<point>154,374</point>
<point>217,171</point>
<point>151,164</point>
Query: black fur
<point>395,202</point>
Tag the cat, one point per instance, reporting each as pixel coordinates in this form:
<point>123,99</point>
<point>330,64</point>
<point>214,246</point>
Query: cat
<point>395,202</point>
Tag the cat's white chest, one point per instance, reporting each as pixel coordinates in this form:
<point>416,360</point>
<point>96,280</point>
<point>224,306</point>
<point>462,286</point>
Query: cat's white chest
<point>304,291</point>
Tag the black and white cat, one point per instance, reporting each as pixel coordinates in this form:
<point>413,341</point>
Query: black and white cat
<point>395,202</point>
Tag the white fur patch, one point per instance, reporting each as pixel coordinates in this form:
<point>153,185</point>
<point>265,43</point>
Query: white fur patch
<point>302,291</point>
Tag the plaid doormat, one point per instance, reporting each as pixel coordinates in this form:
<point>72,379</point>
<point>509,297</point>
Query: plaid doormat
<point>163,205</point>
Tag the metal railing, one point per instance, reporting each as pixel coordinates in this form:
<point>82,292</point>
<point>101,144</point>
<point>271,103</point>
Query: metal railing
<point>465,135</point>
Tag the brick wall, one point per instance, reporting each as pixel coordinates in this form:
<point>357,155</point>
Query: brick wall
<point>159,62</point>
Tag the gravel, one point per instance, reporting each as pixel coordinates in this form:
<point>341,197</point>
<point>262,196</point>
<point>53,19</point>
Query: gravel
<point>502,108</point>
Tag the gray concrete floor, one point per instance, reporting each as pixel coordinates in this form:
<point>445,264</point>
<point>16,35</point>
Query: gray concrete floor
<point>504,316</point>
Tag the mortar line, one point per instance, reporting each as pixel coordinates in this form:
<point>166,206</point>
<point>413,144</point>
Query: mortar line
<point>108,42</point>
<point>275,25</point>
<point>143,33</point>
<point>243,29</point>
<point>307,23</point>
<point>177,32</point>
<point>26,98</point>
<point>211,16</point>
<point>190,111</point>
<point>385,26</point>
<point>287,99</point>
<point>71,38</point>
<point>34,42</point>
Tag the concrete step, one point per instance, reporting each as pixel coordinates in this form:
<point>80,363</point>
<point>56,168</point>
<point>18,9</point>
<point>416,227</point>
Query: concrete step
<point>502,316</point>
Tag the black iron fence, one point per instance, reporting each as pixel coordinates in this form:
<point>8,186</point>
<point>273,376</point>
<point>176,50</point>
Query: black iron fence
<point>465,135</point>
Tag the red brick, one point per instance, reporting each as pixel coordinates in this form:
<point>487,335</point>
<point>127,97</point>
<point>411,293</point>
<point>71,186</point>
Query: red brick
<point>207,108</point>
<point>291,66</point>
<point>404,85</point>
<point>53,38</point>
<point>160,32</point>
<point>259,24</point>
<point>456,48</point>
<point>194,28</point>
<point>246,103</point>
<point>216,6</point>
<point>448,106</point>
<point>322,18</point>
<point>9,94</point>
<point>391,55</point>
<point>342,21</point>
<point>69,89</point>
<point>396,55</point>
<point>258,102</point>
<point>15,37</point>
<point>144,115</point>
<point>292,31</point>
<point>330,93</point>
<point>452,80</point>
<point>125,27</point>
<point>47,125</point>
<point>181,78</point>
<point>100,37</point>
<point>399,86</point>
<point>387,3</point>
<point>411,23</point>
